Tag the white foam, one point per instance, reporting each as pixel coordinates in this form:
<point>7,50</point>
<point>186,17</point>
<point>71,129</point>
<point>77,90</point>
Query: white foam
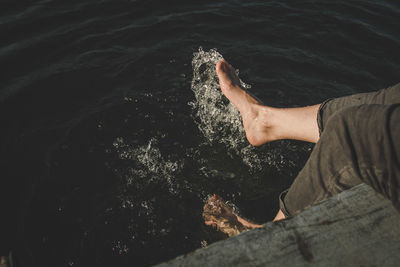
<point>148,163</point>
<point>218,119</point>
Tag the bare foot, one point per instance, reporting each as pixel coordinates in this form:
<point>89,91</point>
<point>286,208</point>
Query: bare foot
<point>217,213</point>
<point>256,117</point>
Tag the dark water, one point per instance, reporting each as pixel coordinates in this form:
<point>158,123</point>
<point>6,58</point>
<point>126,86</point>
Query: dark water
<point>106,151</point>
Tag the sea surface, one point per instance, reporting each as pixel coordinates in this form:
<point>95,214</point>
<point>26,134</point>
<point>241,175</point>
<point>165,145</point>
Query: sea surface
<point>114,132</point>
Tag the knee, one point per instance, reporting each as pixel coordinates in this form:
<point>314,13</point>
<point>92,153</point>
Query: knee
<point>364,128</point>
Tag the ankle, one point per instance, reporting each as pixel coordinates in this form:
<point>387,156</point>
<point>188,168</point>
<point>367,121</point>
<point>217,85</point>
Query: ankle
<point>270,122</point>
<point>276,123</point>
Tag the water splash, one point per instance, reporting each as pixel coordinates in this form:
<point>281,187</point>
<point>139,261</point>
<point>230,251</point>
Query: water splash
<point>217,118</point>
<point>148,164</point>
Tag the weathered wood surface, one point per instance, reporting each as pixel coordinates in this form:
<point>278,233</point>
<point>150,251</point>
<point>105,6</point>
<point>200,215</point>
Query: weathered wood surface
<point>355,228</point>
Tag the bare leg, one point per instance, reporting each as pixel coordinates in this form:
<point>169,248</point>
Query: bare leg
<point>279,216</point>
<point>217,213</point>
<point>263,124</point>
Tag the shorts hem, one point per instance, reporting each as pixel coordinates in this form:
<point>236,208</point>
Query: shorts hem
<point>282,204</point>
<point>319,115</point>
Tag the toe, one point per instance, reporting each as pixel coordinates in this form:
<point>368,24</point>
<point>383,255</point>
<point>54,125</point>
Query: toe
<point>219,67</point>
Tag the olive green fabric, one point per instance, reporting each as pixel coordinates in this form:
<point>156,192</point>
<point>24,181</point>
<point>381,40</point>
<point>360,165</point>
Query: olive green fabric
<point>359,143</point>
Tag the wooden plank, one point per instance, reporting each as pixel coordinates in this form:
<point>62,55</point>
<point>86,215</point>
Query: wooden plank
<point>358,227</point>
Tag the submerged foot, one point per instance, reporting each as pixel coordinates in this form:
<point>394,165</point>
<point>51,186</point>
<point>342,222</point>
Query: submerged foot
<point>255,116</point>
<point>216,213</point>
